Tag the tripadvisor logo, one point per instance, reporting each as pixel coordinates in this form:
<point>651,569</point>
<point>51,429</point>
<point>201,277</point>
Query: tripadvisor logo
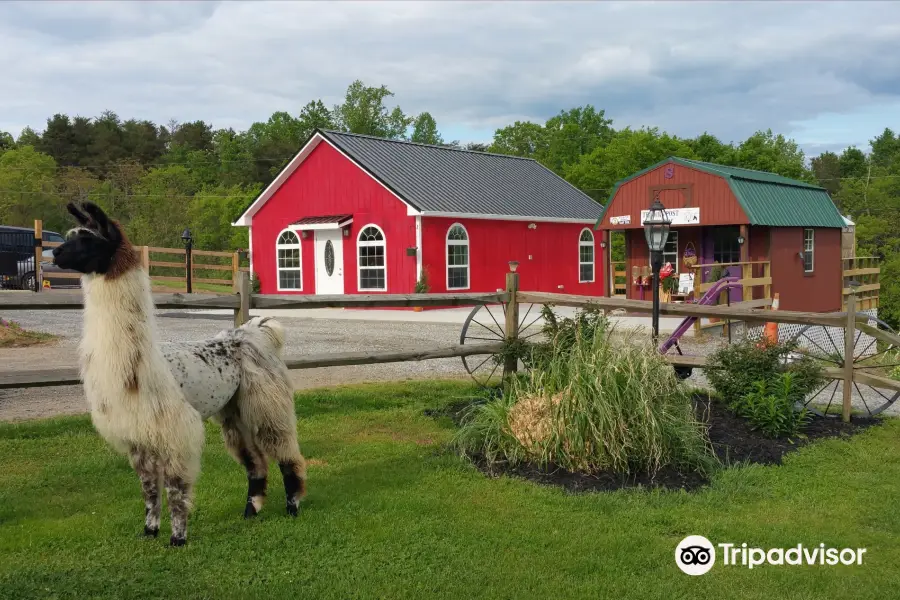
<point>696,555</point>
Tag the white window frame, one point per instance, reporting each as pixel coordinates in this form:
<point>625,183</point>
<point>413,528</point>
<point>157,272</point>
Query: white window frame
<point>593,263</point>
<point>673,235</point>
<point>447,243</point>
<point>279,268</point>
<point>809,249</point>
<point>361,244</point>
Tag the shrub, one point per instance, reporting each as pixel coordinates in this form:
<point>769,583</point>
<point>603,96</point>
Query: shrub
<point>771,406</point>
<point>591,403</point>
<point>758,367</point>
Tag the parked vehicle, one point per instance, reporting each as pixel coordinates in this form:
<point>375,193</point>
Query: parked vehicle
<point>17,246</point>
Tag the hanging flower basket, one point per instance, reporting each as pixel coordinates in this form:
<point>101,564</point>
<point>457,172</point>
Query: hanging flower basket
<point>690,255</point>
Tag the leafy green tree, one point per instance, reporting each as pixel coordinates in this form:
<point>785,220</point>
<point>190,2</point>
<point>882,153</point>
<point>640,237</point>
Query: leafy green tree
<point>629,151</point>
<point>7,142</point>
<point>765,151</point>
<point>162,202</point>
<point>522,138</point>
<point>853,163</point>
<point>885,148</point>
<point>573,133</point>
<point>28,137</point>
<point>425,130</point>
<point>709,148</point>
<point>315,116</point>
<point>827,169</point>
<point>364,111</point>
<point>213,210</point>
<point>27,187</point>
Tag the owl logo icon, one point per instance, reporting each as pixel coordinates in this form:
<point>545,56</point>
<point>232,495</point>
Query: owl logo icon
<point>695,555</point>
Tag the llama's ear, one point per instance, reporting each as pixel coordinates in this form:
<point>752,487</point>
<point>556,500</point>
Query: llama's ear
<point>82,218</point>
<point>105,227</point>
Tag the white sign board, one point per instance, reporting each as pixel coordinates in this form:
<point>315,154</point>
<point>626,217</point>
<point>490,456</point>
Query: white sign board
<point>679,216</point>
<point>623,220</point>
<point>685,283</point>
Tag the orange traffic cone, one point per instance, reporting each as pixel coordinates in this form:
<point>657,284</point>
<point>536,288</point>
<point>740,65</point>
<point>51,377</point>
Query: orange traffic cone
<point>771,330</point>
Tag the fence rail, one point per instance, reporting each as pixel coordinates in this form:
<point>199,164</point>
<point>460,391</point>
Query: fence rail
<point>866,271</point>
<point>177,268</point>
<point>241,302</point>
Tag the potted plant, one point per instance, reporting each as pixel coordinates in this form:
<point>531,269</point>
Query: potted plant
<point>422,287</point>
<point>669,286</point>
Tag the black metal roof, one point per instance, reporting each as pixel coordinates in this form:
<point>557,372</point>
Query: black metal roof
<point>448,180</point>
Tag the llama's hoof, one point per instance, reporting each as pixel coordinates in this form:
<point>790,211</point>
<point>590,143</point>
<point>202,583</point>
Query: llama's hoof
<point>177,541</point>
<point>149,532</point>
<point>249,510</point>
<point>293,510</point>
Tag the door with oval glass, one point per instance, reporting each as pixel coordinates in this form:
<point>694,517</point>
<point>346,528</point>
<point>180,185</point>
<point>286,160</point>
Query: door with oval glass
<point>329,261</point>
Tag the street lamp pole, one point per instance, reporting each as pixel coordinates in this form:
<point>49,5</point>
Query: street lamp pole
<point>188,246</point>
<point>656,230</point>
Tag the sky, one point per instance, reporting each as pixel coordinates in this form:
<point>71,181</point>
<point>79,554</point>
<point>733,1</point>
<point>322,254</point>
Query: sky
<point>826,74</point>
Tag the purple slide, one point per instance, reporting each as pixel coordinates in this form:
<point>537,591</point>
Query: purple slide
<point>726,283</point>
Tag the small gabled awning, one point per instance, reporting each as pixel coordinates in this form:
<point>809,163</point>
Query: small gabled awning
<point>323,222</point>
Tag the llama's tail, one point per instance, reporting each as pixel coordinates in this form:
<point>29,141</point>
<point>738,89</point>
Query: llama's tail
<point>266,397</point>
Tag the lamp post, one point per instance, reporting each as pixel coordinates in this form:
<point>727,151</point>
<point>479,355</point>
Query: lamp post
<point>656,230</point>
<point>188,245</point>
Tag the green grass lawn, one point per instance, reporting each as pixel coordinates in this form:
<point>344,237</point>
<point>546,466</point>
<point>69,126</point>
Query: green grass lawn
<point>389,515</point>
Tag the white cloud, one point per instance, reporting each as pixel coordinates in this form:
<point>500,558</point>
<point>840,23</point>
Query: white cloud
<point>728,68</point>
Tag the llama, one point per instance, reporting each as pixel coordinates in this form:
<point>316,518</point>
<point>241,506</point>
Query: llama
<point>149,400</point>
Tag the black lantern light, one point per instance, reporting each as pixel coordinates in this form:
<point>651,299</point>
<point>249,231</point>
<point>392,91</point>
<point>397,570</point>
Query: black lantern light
<point>188,245</point>
<point>656,230</point>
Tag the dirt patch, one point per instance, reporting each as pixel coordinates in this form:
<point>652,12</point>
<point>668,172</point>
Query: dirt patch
<point>732,438</point>
<point>13,336</point>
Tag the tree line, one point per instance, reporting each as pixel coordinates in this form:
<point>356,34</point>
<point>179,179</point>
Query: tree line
<point>158,179</point>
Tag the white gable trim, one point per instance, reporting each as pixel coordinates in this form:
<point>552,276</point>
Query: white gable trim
<point>452,215</point>
<point>245,219</point>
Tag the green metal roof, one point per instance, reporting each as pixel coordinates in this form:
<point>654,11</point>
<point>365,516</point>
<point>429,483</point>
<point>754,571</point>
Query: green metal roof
<point>767,198</point>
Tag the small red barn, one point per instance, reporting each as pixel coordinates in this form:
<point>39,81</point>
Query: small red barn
<point>359,214</point>
<point>732,216</point>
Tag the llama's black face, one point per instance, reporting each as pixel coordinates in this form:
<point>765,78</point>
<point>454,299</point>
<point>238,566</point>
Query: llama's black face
<point>90,248</point>
<point>85,251</point>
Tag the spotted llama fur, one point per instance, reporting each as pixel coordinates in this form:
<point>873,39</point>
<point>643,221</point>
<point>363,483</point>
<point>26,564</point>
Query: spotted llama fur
<point>149,400</point>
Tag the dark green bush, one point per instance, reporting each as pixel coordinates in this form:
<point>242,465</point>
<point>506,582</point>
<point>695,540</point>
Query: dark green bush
<point>771,406</point>
<point>757,367</point>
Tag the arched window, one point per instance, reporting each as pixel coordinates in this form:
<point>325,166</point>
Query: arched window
<point>457,258</point>
<point>370,251</point>
<point>586,256</point>
<point>290,272</point>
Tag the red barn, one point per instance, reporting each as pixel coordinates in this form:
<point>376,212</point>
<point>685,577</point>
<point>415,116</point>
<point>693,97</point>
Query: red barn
<point>359,214</point>
<point>753,222</point>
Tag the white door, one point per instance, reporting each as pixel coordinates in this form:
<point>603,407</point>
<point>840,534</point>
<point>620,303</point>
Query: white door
<point>329,261</point>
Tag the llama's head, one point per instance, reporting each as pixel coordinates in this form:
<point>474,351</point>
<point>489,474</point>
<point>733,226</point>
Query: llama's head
<point>97,246</point>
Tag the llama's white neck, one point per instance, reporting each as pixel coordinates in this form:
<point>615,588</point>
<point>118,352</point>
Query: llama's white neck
<point>119,330</point>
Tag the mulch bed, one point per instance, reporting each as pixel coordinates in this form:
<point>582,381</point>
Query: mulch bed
<point>732,438</point>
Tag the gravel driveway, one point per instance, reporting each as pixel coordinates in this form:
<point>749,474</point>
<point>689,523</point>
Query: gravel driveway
<point>303,336</point>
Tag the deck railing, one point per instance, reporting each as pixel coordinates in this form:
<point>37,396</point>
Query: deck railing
<point>619,278</point>
<point>866,271</point>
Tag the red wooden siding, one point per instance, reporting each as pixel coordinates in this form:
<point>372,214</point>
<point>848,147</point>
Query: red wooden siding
<point>547,255</point>
<point>819,291</point>
<point>718,206</point>
<point>327,183</point>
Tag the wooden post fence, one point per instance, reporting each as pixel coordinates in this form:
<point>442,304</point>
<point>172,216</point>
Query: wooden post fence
<point>510,364</point>
<point>849,328</point>
<point>242,287</point>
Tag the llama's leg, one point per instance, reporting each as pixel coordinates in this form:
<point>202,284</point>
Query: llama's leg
<point>147,469</point>
<point>254,460</point>
<point>294,474</point>
<point>179,492</point>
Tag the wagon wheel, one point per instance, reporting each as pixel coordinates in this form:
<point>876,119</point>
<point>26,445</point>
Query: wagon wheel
<point>826,344</point>
<point>486,324</point>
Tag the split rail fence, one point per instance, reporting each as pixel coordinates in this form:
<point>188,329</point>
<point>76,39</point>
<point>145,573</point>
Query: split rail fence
<point>168,267</point>
<point>242,301</point>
